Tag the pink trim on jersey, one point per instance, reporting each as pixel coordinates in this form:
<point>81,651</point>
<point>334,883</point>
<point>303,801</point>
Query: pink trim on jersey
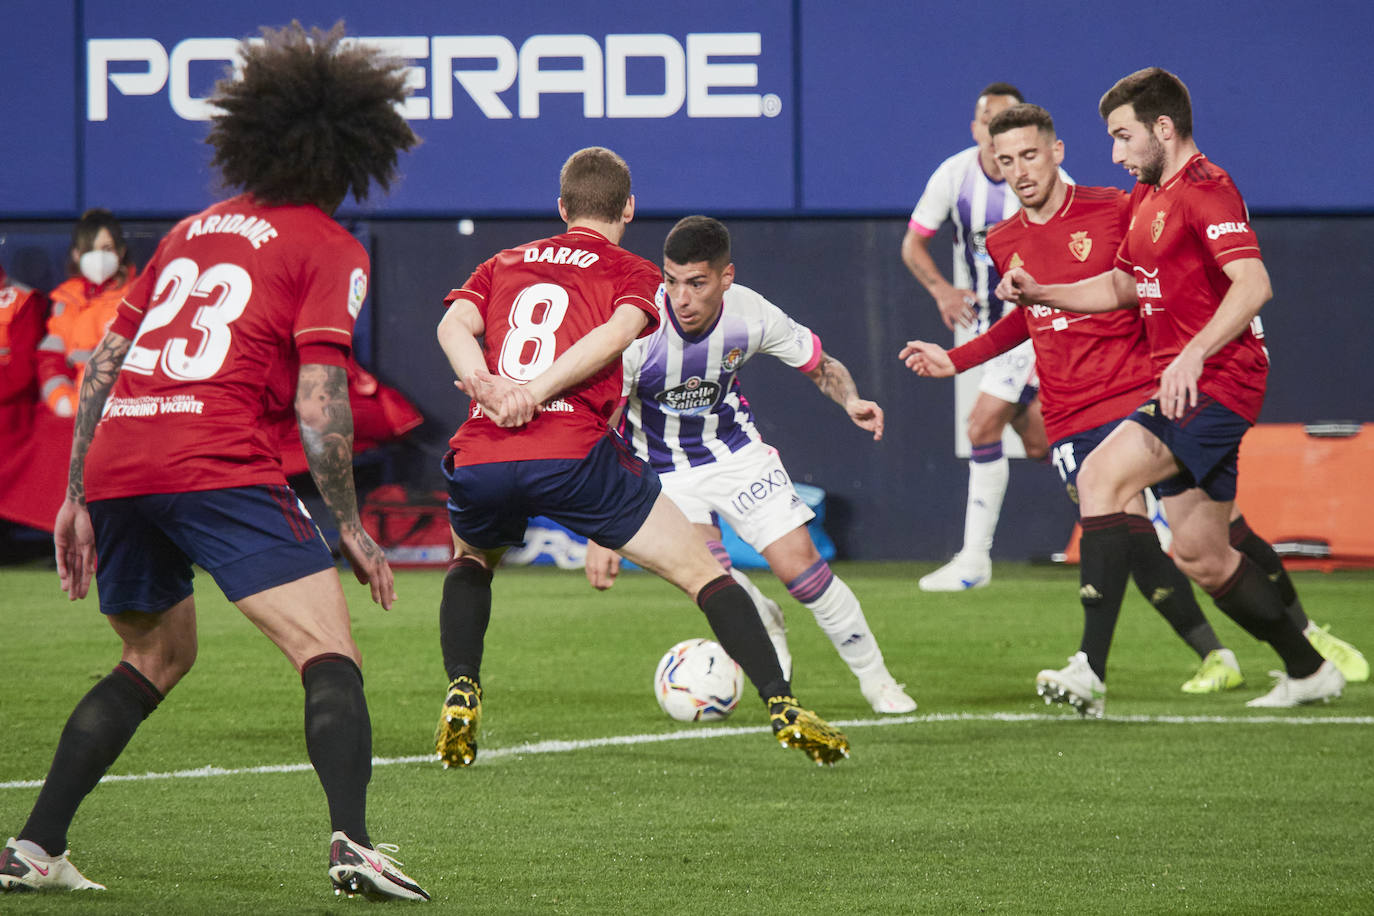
<point>918,228</point>
<point>816,354</point>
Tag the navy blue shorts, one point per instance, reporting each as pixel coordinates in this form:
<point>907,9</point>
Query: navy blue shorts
<point>249,539</point>
<point>1205,441</point>
<point>605,496</point>
<point>1067,455</point>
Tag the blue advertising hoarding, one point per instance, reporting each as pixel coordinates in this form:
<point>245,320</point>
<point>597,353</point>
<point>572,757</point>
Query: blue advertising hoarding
<point>778,107</point>
<point>502,96</point>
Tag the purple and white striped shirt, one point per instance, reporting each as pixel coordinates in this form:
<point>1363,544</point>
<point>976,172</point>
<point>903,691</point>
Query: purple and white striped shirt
<point>684,407</point>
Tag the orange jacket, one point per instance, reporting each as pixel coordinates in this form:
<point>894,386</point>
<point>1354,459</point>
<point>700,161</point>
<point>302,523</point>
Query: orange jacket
<point>81,314</point>
<point>22,313</point>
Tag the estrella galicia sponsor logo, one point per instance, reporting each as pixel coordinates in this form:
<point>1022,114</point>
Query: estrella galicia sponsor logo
<point>692,396</point>
<point>1217,230</point>
<point>774,481</point>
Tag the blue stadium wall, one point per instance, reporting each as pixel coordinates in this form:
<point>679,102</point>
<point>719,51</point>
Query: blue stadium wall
<point>810,126</point>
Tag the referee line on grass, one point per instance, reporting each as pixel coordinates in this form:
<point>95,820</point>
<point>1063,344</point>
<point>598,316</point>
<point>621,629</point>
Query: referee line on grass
<point>725,731</point>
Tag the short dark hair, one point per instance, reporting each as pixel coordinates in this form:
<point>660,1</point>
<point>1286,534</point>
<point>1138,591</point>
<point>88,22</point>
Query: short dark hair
<point>1022,115</point>
<point>87,228</point>
<point>698,238</point>
<point>1001,89</point>
<point>594,183</point>
<point>312,118</point>
<point>1150,93</point>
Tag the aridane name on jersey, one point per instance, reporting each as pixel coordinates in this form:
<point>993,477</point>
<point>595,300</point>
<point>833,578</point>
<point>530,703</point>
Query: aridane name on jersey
<point>684,407</point>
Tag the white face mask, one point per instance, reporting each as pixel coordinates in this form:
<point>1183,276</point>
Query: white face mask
<point>99,266</point>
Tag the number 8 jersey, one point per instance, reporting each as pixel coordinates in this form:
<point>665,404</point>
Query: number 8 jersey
<point>536,301</point>
<point>220,319</point>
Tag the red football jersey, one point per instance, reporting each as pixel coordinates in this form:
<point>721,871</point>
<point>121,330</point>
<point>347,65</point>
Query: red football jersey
<point>536,301</point>
<point>1180,237</point>
<point>1093,368</point>
<point>217,320</point>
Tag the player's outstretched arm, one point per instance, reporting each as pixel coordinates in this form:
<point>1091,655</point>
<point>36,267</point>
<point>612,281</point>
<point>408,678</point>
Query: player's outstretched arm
<point>831,376</point>
<point>602,566</point>
<point>325,417</point>
<point>1101,293</point>
<point>928,359</point>
<point>72,534</point>
<point>590,354</point>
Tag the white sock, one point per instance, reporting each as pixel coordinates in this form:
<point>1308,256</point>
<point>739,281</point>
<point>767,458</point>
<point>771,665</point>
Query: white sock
<point>987,484</point>
<point>838,612</point>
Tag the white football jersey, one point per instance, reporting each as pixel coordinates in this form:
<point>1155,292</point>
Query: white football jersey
<point>684,407</point>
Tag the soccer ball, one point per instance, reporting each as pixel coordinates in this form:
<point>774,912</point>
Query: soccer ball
<point>697,682</point>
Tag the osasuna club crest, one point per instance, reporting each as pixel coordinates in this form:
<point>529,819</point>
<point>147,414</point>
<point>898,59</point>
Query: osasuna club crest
<point>1157,226</point>
<point>1080,246</point>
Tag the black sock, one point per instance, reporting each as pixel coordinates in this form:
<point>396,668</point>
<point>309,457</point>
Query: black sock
<point>1103,571</point>
<point>338,738</point>
<point>1244,539</point>
<point>1252,601</point>
<point>96,732</point>
<point>735,621</point>
<point>464,613</point>
<point>1166,587</point>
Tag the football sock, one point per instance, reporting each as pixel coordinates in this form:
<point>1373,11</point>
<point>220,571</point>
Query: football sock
<point>1244,539</point>
<point>1103,570</point>
<point>840,616</point>
<point>96,732</point>
<point>1252,601</point>
<point>464,612</point>
<point>735,621</point>
<point>338,739</point>
<point>988,473</point>
<point>1166,587</point>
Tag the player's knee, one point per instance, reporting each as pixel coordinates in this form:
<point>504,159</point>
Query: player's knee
<point>1207,565</point>
<point>163,666</point>
<point>1099,493</point>
<point>1036,450</point>
<point>984,429</point>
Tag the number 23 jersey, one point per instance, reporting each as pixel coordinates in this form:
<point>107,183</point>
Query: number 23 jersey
<point>217,321</point>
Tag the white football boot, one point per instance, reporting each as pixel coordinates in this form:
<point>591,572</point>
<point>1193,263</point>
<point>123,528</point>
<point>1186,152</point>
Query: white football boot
<point>24,871</point>
<point>1321,685</point>
<point>1076,684</point>
<point>960,574</point>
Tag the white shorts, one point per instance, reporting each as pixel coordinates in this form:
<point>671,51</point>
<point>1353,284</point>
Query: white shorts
<point>1004,377</point>
<point>1007,376</point>
<point>750,489</point>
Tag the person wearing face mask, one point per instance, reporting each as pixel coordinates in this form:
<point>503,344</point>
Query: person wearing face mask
<point>99,270</point>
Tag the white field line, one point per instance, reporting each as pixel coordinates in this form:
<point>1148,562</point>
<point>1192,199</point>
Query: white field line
<point>559,747</point>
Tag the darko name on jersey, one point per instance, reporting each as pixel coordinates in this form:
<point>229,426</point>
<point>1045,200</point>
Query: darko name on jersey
<point>550,254</point>
<point>692,395</point>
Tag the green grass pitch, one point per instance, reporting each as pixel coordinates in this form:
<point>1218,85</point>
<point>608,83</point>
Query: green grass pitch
<point>985,800</point>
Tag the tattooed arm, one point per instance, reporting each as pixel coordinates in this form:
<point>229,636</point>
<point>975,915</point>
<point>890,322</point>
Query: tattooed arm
<point>326,423</point>
<point>834,379</point>
<point>72,533</point>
